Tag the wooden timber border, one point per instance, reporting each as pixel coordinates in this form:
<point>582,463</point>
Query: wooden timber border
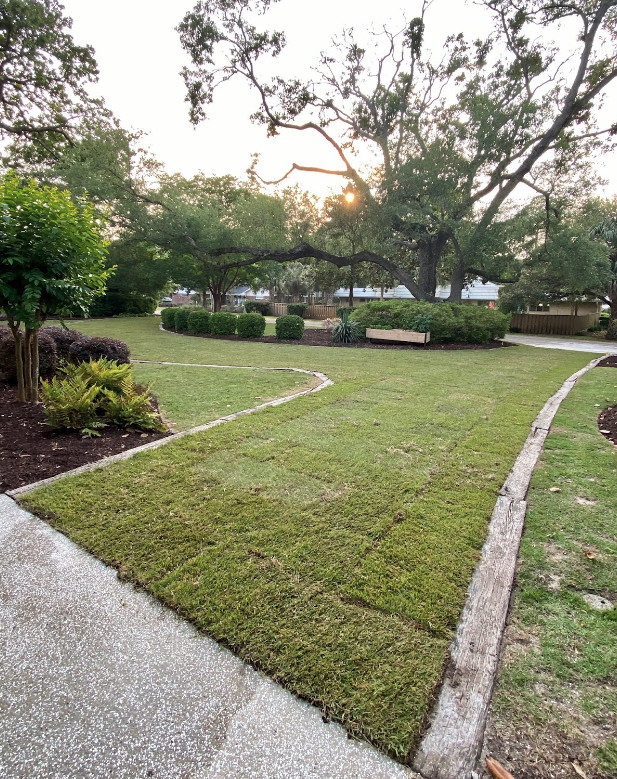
<point>452,744</point>
<point>401,336</point>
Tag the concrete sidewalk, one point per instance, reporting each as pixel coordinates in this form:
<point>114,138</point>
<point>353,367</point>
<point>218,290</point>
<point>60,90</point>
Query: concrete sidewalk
<point>569,344</point>
<point>99,680</point>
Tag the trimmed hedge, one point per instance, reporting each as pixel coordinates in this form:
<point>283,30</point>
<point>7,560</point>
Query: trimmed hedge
<point>257,307</point>
<point>223,323</point>
<point>48,355</point>
<point>63,338</point>
<point>251,325</point>
<point>290,327</point>
<point>168,318</point>
<point>86,349</point>
<point>181,319</point>
<point>296,309</point>
<point>446,321</point>
<point>199,322</point>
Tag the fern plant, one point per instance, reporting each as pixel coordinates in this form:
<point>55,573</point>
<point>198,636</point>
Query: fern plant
<point>130,408</point>
<point>71,404</point>
<point>347,331</point>
<point>102,373</point>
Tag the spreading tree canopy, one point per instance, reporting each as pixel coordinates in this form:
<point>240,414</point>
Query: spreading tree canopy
<point>453,137</point>
<point>43,75</point>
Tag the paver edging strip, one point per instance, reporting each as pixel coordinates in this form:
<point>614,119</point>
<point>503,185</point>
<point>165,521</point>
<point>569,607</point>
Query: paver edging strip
<point>452,744</point>
<point>323,379</point>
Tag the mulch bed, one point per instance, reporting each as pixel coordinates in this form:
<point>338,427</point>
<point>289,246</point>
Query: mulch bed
<point>317,337</point>
<point>30,450</point>
<point>607,420</point>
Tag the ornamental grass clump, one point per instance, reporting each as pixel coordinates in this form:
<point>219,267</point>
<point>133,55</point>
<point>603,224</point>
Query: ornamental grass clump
<point>251,325</point>
<point>289,328</point>
<point>93,395</point>
<point>223,323</point>
<point>199,322</point>
<point>346,331</point>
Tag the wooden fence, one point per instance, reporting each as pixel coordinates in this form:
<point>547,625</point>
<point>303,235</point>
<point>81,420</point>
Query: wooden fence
<point>552,324</point>
<point>312,312</point>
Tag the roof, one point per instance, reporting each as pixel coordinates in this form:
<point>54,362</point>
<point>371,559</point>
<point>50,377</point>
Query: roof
<point>476,290</point>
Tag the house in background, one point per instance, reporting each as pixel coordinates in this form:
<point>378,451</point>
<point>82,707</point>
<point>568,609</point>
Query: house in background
<point>477,293</point>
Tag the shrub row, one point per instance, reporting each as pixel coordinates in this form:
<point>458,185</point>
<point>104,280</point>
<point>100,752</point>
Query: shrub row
<point>220,323</point>
<point>58,346</point>
<point>446,321</point>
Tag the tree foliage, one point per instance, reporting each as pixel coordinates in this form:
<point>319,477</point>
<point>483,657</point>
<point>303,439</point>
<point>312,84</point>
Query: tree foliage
<point>453,137</point>
<point>43,74</point>
<point>51,263</point>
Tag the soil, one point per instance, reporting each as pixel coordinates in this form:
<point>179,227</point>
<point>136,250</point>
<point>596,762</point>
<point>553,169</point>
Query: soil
<point>607,420</point>
<point>321,337</point>
<point>30,450</point>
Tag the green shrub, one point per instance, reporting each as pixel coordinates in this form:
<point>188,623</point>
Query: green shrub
<point>257,307</point>
<point>251,325</point>
<point>604,319</point>
<point>129,303</point>
<point>296,309</point>
<point>341,309</point>
<point>199,322</point>
<point>181,319</point>
<point>346,331</point>
<point>290,327</point>
<point>70,403</point>
<point>86,349</point>
<point>223,323</point>
<point>168,318</point>
<point>448,321</point>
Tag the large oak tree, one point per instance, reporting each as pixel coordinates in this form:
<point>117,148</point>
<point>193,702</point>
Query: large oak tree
<point>454,137</point>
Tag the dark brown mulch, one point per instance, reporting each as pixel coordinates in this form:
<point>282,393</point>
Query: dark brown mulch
<point>607,419</point>
<point>30,450</point>
<point>316,337</point>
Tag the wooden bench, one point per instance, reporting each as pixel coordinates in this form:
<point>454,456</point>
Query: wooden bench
<point>402,336</point>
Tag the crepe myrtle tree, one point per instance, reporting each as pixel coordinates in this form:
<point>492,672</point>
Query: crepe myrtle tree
<point>51,263</point>
<point>453,137</point>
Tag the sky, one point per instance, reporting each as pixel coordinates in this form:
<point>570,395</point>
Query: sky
<point>139,56</point>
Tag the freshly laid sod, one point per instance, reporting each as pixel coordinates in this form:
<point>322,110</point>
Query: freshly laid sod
<point>556,701</point>
<point>190,396</point>
<point>328,541</point>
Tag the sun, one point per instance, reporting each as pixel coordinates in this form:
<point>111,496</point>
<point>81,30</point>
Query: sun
<point>350,196</point>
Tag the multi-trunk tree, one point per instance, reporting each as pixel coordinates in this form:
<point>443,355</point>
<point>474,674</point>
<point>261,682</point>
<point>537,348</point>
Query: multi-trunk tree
<point>51,263</point>
<point>453,138</point>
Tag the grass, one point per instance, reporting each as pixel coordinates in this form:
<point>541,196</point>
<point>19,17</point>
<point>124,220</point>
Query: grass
<point>328,541</point>
<point>190,396</point>
<point>558,688</point>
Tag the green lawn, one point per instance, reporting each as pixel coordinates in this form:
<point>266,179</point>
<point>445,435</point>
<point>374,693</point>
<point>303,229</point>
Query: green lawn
<point>557,696</point>
<point>328,541</point>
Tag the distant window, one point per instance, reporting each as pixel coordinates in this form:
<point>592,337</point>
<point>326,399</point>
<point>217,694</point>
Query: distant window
<point>545,307</point>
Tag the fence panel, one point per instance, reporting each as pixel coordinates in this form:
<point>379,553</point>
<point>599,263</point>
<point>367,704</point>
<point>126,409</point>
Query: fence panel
<point>552,324</point>
<point>312,312</point>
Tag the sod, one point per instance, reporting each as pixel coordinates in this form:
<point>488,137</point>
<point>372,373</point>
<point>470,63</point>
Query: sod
<point>328,541</point>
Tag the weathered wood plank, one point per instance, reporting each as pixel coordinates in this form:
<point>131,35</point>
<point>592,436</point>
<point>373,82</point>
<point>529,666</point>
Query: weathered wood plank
<point>403,336</point>
<point>453,741</point>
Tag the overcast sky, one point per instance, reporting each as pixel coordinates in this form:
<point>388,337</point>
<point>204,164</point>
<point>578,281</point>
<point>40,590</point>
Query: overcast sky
<point>139,57</point>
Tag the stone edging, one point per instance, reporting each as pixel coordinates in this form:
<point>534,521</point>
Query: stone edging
<point>323,379</point>
<point>452,744</point>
